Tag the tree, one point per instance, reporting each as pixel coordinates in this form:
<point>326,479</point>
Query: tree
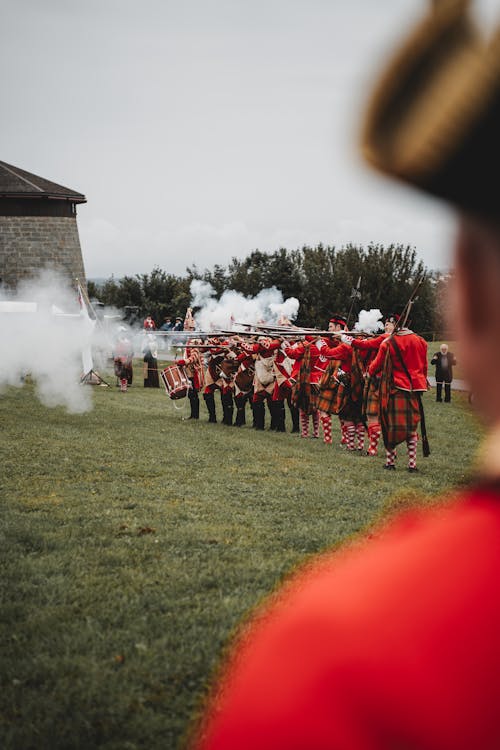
<point>322,278</point>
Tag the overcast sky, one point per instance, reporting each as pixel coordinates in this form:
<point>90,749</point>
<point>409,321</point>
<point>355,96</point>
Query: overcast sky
<point>200,130</point>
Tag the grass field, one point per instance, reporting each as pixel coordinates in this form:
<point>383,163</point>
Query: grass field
<point>133,542</point>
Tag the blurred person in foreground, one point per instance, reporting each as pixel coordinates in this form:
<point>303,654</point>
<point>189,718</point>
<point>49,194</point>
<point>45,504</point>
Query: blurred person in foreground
<point>395,642</point>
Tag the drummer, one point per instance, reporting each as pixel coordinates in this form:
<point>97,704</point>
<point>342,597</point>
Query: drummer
<point>192,363</point>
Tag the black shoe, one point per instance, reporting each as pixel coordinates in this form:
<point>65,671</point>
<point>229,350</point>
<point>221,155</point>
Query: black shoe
<point>412,469</point>
<point>390,467</point>
<point>439,400</point>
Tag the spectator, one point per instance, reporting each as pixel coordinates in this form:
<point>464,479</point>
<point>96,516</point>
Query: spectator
<point>179,326</point>
<point>150,352</point>
<point>167,325</point>
<point>444,361</point>
<point>166,328</point>
<point>149,324</point>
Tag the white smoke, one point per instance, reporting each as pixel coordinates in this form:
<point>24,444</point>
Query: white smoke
<point>234,308</point>
<point>46,341</point>
<point>286,310</point>
<point>369,321</point>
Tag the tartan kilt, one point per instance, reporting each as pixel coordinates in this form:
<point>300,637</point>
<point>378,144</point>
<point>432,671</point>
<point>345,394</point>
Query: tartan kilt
<point>328,388</point>
<point>347,409</point>
<point>304,397</point>
<point>326,399</point>
<point>314,397</point>
<point>401,419</point>
<point>371,398</point>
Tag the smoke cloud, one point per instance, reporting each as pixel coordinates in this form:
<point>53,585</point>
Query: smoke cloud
<point>369,321</point>
<point>233,308</point>
<point>43,334</point>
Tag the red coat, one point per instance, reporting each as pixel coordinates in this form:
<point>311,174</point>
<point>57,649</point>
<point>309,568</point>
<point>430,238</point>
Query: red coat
<point>342,352</point>
<point>391,644</point>
<point>369,344</point>
<point>263,349</point>
<point>295,352</point>
<point>318,362</point>
<point>368,348</point>
<point>413,350</point>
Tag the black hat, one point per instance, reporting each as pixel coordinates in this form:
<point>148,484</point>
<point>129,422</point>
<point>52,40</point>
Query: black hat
<point>434,118</point>
<point>392,318</point>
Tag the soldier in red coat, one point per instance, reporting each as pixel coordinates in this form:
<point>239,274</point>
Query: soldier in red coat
<point>394,642</point>
<point>401,363</point>
<point>123,358</point>
<point>219,375</point>
<point>264,380</point>
<point>192,361</point>
<point>243,383</point>
<point>307,372</point>
<point>336,392</point>
<point>283,386</point>
<point>368,348</point>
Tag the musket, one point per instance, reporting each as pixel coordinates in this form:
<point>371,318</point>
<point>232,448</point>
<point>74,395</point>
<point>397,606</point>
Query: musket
<point>407,309</point>
<point>206,347</point>
<point>188,334</point>
<point>355,294</point>
<point>298,332</point>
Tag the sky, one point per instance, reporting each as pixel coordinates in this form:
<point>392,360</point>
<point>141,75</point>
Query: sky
<point>204,129</point>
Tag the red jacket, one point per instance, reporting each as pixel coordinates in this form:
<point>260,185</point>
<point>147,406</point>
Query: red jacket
<point>413,350</point>
<point>342,352</point>
<point>318,362</point>
<point>368,348</point>
<point>393,643</point>
<point>372,344</point>
<point>295,352</point>
<point>263,349</point>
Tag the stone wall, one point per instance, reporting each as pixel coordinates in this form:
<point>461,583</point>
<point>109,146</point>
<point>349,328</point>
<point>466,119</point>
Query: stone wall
<point>31,243</point>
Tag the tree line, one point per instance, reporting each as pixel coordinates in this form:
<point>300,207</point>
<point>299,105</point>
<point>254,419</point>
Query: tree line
<point>324,279</point>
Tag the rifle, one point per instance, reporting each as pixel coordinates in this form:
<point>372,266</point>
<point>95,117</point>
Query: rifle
<point>189,334</point>
<point>407,308</point>
<point>355,294</point>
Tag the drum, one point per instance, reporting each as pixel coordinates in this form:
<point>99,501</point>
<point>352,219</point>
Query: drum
<point>175,381</point>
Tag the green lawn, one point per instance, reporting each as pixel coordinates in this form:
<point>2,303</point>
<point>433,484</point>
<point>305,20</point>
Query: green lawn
<point>133,542</point>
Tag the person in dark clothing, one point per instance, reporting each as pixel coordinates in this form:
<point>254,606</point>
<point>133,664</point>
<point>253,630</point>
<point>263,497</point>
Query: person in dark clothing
<point>150,351</point>
<point>444,361</point>
<point>168,325</point>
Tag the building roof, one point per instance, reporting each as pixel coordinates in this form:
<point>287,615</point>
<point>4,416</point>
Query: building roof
<point>17,183</point>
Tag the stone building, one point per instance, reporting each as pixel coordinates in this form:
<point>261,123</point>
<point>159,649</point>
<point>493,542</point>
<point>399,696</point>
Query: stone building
<point>37,228</point>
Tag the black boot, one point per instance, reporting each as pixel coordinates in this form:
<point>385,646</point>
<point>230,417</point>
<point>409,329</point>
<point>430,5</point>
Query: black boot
<point>439,391</point>
<point>210,402</point>
<point>240,412</point>
<point>259,414</point>
<point>272,411</point>
<point>294,413</point>
<point>252,406</point>
<point>227,408</point>
<point>279,416</point>
<point>447,392</point>
<point>194,403</point>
